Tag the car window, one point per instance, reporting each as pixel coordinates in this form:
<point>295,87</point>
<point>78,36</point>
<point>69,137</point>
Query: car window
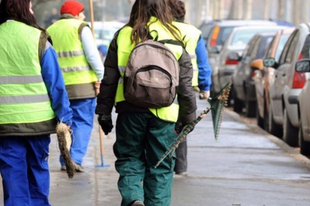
<point>286,47</point>
<point>254,51</point>
<point>223,35</point>
<point>283,39</point>
<point>270,48</point>
<point>305,49</point>
<point>242,37</point>
<point>263,47</point>
<point>290,52</point>
<point>205,30</point>
<point>248,49</point>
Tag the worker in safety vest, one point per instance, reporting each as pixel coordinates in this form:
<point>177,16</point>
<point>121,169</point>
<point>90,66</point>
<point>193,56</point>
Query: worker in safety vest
<point>32,99</point>
<point>144,134</point>
<point>82,70</point>
<point>195,46</point>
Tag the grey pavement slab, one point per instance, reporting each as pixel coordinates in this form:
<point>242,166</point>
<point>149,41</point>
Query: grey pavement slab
<point>245,166</point>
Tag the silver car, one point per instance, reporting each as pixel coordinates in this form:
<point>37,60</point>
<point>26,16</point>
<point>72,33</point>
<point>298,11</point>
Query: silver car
<point>217,37</point>
<point>287,84</point>
<point>304,106</point>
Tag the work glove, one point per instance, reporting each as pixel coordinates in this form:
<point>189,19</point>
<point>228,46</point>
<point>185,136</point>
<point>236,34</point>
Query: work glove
<point>204,94</point>
<point>105,122</point>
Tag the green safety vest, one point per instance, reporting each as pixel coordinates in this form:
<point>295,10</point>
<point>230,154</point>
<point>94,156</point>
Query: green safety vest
<point>125,46</point>
<point>78,76</point>
<point>191,37</point>
<point>25,107</point>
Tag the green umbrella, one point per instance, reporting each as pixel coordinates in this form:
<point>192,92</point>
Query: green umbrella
<point>216,106</point>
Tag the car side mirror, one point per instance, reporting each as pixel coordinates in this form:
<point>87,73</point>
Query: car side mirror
<point>215,49</point>
<point>269,62</point>
<point>257,64</point>
<point>303,65</point>
<point>234,56</point>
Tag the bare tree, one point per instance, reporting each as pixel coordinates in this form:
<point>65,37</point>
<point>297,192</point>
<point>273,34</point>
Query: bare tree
<point>281,9</point>
<point>247,9</point>
<point>266,9</point>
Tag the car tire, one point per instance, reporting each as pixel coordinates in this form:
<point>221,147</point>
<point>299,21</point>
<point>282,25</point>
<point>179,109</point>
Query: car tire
<point>238,104</point>
<point>290,133</point>
<point>260,120</point>
<point>250,107</point>
<point>273,127</point>
<point>304,145</point>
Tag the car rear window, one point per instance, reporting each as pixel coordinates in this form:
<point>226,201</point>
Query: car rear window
<point>243,37</point>
<point>223,34</point>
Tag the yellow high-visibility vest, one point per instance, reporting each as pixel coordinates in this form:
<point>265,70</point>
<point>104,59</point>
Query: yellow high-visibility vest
<point>78,76</point>
<point>25,107</point>
<point>125,46</point>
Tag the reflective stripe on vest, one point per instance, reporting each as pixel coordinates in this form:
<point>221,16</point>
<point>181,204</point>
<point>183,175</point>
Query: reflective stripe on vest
<point>124,49</point>
<point>77,73</point>
<point>191,37</point>
<point>24,98</point>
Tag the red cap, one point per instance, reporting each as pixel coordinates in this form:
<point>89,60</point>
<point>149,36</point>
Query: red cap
<point>72,7</point>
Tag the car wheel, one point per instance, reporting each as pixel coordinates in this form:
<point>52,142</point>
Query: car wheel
<point>304,145</point>
<point>290,133</point>
<point>273,127</point>
<point>260,120</point>
<point>238,104</point>
<point>250,107</point>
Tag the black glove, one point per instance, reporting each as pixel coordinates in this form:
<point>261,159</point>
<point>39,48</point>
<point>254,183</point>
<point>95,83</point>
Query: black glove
<point>105,122</point>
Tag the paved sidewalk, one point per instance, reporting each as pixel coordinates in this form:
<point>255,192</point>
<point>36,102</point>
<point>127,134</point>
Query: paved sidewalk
<point>244,167</point>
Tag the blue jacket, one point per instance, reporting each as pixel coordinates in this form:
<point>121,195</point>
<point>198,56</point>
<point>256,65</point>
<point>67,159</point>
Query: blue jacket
<point>55,85</point>
<point>205,70</point>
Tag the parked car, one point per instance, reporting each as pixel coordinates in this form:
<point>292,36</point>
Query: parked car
<point>287,84</point>
<point>262,78</point>
<point>235,43</point>
<point>242,78</point>
<point>215,39</point>
<point>304,107</point>
<point>104,31</point>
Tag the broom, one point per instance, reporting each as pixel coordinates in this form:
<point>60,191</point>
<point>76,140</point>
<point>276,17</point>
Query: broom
<point>64,142</point>
<point>217,104</point>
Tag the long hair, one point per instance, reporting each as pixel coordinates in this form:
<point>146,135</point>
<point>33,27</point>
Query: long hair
<point>17,10</point>
<point>143,10</point>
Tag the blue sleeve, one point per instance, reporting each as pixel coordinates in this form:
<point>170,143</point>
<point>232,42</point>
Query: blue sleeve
<point>54,82</point>
<point>205,70</point>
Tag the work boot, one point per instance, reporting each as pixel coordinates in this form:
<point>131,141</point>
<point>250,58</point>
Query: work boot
<point>137,203</point>
<point>63,168</point>
<point>180,174</point>
<point>78,167</point>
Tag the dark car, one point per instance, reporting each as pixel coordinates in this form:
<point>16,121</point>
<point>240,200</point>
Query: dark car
<point>264,77</point>
<point>243,83</point>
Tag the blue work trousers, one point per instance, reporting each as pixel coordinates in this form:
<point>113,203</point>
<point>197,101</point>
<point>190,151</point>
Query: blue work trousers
<point>24,170</point>
<point>82,125</point>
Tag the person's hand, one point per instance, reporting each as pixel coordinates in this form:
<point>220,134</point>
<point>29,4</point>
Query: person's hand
<point>105,122</point>
<point>97,87</point>
<point>204,94</point>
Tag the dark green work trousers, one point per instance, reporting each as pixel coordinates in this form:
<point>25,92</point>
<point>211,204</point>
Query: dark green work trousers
<point>141,139</point>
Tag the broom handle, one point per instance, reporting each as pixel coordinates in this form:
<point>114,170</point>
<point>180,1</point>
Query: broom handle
<point>101,144</point>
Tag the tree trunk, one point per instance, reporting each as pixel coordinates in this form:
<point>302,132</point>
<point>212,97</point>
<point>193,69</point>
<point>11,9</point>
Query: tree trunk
<point>247,9</point>
<point>281,9</point>
<point>266,9</point>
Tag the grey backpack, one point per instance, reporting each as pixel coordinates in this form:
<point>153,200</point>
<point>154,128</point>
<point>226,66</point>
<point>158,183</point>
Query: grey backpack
<point>152,75</point>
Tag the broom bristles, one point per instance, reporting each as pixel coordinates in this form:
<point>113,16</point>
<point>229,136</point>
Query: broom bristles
<point>64,142</point>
